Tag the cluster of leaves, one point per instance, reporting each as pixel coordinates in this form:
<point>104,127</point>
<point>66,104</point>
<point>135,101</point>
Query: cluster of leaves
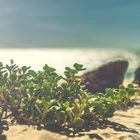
<point>44,97</point>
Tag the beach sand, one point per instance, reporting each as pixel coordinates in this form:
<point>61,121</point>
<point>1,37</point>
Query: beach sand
<point>124,125</point>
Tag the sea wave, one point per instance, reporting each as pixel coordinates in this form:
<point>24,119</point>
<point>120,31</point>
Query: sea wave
<point>61,57</point>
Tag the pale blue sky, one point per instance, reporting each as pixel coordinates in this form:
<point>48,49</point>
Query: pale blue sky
<point>70,23</point>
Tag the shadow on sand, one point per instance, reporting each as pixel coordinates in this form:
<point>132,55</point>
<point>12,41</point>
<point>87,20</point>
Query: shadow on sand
<point>3,126</point>
<point>79,132</point>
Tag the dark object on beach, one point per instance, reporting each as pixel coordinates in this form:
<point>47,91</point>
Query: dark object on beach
<point>110,75</point>
<point>137,76</point>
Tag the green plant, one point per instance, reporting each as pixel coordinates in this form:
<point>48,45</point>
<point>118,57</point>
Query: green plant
<point>44,97</point>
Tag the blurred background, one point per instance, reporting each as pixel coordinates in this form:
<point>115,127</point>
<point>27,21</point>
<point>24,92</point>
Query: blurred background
<point>62,32</point>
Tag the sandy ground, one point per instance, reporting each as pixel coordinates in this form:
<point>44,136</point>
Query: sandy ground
<point>125,125</point>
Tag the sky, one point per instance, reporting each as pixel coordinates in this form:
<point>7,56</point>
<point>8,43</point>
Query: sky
<point>70,23</point>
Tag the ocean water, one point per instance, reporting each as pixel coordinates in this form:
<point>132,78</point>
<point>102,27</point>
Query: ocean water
<point>61,57</point>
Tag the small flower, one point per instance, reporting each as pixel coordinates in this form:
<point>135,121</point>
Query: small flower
<point>38,101</point>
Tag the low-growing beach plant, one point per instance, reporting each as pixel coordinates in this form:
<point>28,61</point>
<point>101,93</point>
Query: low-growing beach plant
<point>47,98</point>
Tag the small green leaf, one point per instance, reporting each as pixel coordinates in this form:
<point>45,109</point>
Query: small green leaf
<point>78,67</point>
<point>30,85</point>
<point>32,73</point>
<point>98,105</point>
<point>130,86</point>
<point>92,100</point>
<point>13,77</point>
<point>131,91</point>
<point>78,123</point>
<point>12,99</point>
<point>123,91</point>
<point>88,110</point>
<point>25,68</point>
<point>48,69</point>
<point>121,87</point>
<point>66,104</point>
<point>70,71</point>
<point>67,74</point>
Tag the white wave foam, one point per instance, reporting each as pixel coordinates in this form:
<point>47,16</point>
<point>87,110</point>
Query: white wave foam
<point>59,58</point>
